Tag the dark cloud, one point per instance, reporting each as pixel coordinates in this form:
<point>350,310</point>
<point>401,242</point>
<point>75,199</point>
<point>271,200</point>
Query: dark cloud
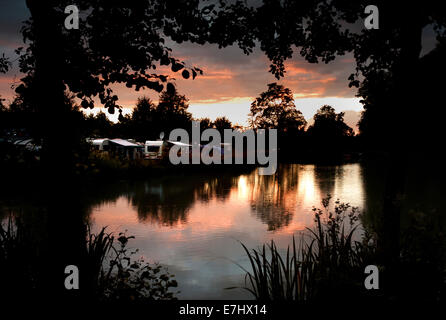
<point>228,72</point>
<point>12,14</point>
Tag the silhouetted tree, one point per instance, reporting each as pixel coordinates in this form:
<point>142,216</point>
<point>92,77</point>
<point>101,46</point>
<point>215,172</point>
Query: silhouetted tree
<point>328,124</point>
<point>3,111</point>
<point>172,109</point>
<point>2,107</point>
<point>148,119</point>
<point>143,110</point>
<point>275,109</point>
<point>374,91</point>
<point>144,121</point>
<point>4,64</point>
<point>205,123</point>
<point>173,102</point>
<point>98,126</point>
<point>114,44</point>
<point>222,123</point>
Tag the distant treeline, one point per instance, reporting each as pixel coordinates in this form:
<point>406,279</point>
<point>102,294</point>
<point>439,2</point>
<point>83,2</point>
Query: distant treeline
<point>328,135</point>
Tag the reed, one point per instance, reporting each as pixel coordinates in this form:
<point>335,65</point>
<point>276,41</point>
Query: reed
<point>97,250</point>
<point>326,259</point>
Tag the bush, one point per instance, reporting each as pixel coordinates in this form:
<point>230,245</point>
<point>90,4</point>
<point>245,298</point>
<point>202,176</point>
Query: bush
<point>124,278</point>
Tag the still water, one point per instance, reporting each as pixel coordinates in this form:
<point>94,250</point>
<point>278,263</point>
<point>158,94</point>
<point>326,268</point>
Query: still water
<point>194,224</point>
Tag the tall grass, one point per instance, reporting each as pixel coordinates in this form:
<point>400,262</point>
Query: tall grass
<point>274,277</point>
<point>116,275</point>
<point>109,269</point>
<point>327,261</point>
<point>97,249</point>
<point>9,240</point>
<point>19,268</point>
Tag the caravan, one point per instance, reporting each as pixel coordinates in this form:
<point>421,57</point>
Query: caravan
<point>153,150</point>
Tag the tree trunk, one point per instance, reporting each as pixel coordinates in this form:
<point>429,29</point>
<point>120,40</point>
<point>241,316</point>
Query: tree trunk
<point>65,227</point>
<point>399,145</point>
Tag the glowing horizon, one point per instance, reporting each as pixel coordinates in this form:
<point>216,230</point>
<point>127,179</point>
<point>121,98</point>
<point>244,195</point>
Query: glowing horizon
<point>237,109</point>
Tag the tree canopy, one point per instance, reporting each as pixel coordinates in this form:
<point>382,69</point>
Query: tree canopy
<point>222,123</point>
<point>328,124</point>
<point>275,109</point>
<point>149,119</point>
<point>87,61</point>
<point>114,44</point>
<point>4,64</point>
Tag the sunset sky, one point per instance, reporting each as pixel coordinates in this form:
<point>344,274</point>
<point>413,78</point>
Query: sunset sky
<point>230,82</point>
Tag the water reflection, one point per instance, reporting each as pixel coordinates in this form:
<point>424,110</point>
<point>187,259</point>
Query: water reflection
<point>168,201</point>
<point>276,199</point>
<point>193,223</point>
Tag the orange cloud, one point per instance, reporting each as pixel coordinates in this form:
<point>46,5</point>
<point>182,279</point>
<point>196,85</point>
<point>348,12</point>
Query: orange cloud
<point>216,75</point>
<point>293,70</point>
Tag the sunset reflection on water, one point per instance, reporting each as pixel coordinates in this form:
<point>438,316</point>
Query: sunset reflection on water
<point>194,224</point>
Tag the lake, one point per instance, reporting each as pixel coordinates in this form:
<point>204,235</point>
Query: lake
<point>193,224</point>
